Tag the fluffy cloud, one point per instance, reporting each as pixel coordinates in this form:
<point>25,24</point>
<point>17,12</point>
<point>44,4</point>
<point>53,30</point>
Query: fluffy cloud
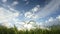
<point>6,16</point>
<point>9,18</point>
<point>30,15</point>
<point>14,3</point>
<point>27,25</point>
<point>58,17</point>
<point>52,21</point>
<point>38,12</point>
<point>35,9</point>
<point>4,1</point>
<point>56,21</point>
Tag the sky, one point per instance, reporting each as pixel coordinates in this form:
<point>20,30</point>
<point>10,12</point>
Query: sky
<point>21,12</point>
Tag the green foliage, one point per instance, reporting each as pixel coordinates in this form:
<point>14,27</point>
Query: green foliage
<point>5,30</point>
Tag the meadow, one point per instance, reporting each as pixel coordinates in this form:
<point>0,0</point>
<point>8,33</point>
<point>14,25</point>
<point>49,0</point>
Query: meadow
<point>5,30</point>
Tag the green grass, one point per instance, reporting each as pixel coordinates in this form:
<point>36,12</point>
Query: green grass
<point>5,30</point>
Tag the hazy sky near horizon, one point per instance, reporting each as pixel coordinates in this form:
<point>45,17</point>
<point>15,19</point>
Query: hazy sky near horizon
<point>43,12</point>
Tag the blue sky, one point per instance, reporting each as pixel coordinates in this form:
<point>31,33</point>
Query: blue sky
<point>43,12</point>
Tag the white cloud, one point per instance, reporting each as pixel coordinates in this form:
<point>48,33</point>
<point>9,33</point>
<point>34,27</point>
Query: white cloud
<point>58,17</point>
<point>30,15</point>
<point>35,9</point>
<point>31,24</point>
<point>12,9</point>
<point>28,26</point>
<point>4,1</point>
<point>14,3</point>
<point>35,16</point>
<point>49,8</point>
<point>9,18</point>
<point>6,16</point>
<point>52,21</point>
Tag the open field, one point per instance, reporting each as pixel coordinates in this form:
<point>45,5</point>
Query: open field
<point>5,30</point>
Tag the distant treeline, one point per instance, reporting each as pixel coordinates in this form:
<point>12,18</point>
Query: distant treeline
<point>5,30</point>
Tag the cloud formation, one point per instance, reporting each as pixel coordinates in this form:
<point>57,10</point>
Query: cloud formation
<point>14,3</point>
<point>6,16</point>
<point>9,17</point>
<point>36,8</point>
<point>30,15</point>
<point>4,1</point>
<point>49,8</point>
<point>51,21</point>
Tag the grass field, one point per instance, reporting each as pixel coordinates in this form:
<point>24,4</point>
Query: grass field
<point>5,30</point>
